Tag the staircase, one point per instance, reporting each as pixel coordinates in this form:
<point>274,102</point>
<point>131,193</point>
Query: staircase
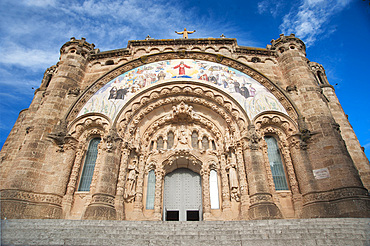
<point>343,231</point>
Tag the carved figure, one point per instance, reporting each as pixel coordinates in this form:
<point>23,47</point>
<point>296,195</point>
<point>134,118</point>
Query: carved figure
<point>131,181</point>
<point>182,138</point>
<point>233,178</point>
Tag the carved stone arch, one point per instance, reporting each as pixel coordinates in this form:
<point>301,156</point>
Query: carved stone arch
<point>271,119</point>
<point>152,165</point>
<point>154,50</point>
<point>82,125</point>
<point>157,127</point>
<point>170,163</point>
<point>281,127</point>
<point>278,92</point>
<point>174,93</point>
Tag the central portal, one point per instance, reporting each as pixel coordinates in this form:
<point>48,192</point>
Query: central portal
<point>182,196</point>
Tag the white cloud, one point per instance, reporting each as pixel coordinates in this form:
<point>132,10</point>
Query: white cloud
<point>270,7</point>
<point>311,18</point>
<point>35,59</point>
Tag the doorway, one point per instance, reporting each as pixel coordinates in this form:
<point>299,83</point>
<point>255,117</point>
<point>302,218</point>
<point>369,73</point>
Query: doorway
<point>182,196</point>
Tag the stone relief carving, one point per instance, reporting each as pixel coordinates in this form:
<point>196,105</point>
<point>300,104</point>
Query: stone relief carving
<point>233,178</point>
<point>131,180</point>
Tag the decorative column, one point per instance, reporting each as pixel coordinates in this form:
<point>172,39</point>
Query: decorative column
<point>119,203</point>
<point>296,194</point>
<point>72,184</point>
<point>262,205</point>
<point>138,204</point>
<point>102,202</point>
<point>206,194</point>
<point>302,167</point>
<point>244,197</point>
<point>225,185</point>
<point>159,176</point>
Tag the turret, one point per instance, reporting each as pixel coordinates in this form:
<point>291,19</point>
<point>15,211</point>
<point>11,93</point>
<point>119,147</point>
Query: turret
<point>321,141</point>
<point>288,43</point>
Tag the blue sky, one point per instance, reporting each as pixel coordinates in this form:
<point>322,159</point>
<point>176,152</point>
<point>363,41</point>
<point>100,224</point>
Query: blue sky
<point>336,33</point>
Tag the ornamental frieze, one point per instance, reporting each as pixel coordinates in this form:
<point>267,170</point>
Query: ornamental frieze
<point>31,197</point>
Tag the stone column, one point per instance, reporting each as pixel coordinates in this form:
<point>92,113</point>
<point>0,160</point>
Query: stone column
<point>119,202</point>
<point>244,197</point>
<point>102,202</point>
<point>296,194</point>
<point>206,193</point>
<point>159,176</point>
<point>262,205</point>
<point>225,185</point>
<point>72,183</point>
<point>138,204</point>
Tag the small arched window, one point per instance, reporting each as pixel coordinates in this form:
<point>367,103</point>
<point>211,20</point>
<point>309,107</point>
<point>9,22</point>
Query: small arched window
<point>213,145</point>
<point>89,165</point>
<point>213,190</point>
<point>151,145</point>
<point>277,169</point>
<point>205,143</point>
<point>194,140</point>
<point>150,194</point>
<point>160,143</point>
<point>320,77</point>
<point>170,140</point>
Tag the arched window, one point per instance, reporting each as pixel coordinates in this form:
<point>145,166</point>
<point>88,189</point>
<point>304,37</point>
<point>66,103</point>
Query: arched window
<point>170,140</point>
<point>277,169</point>
<point>150,194</point>
<point>151,145</point>
<point>213,190</point>
<point>89,165</point>
<point>160,143</point>
<point>213,145</point>
<point>205,143</point>
<point>194,140</point>
<point>319,75</point>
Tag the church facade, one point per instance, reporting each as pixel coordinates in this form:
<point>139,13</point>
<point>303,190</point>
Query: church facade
<point>184,129</point>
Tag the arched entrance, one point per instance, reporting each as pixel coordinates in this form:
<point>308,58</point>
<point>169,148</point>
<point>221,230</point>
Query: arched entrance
<point>182,196</point>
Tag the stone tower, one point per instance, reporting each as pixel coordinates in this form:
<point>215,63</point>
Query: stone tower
<point>184,129</point>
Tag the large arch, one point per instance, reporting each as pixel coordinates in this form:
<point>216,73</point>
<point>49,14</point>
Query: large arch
<point>179,105</point>
<point>272,87</point>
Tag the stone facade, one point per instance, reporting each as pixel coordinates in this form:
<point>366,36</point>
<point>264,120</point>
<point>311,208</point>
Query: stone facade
<point>162,105</point>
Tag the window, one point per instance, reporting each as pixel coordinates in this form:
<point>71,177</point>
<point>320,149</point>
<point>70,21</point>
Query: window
<point>205,143</point>
<point>277,169</point>
<point>151,146</point>
<point>160,143</point>
<point>150,194</point>
<point>88,170</point>
<point>320,77</point>
<point>170,140</point>
<point>213,145</point>
<point>213,190</point>
<point>194,140</point>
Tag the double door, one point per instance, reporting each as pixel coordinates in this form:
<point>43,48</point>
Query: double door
<point>182,196</point>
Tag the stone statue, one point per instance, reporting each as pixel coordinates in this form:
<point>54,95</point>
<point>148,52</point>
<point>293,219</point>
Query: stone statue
<point>233,178</point>
<point>185,33</point>
<point>227,139</point>
<point>131,181</point>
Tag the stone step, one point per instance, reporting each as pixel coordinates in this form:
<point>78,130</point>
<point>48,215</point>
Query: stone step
<point>268,232</point>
